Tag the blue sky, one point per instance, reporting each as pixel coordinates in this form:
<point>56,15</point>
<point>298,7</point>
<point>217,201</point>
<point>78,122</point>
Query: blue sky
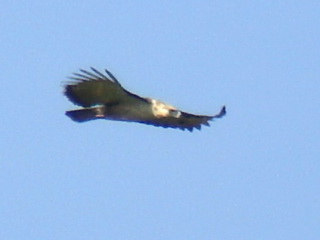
<point>252,175</point>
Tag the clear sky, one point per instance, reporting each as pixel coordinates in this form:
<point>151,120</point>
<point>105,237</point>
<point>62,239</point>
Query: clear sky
<point>254,174</point>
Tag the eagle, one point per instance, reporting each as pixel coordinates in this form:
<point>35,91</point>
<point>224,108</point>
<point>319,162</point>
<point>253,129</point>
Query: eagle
<point>101,96</point>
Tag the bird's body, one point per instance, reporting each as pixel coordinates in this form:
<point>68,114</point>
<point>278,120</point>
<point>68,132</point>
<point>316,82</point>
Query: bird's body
<point>103,97</point>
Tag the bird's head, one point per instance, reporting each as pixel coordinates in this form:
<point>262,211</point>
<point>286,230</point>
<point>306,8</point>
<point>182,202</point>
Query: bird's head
<point>161,109</point>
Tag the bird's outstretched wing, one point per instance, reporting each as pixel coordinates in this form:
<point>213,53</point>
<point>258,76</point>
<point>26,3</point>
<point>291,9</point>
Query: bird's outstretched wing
<point>186,121</point>
<point>93,88</point>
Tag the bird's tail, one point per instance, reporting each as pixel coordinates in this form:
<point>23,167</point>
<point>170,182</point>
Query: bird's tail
<point>84,115</point>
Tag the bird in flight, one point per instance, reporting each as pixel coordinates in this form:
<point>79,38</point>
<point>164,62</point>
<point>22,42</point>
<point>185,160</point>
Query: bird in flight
<point>101,96</point>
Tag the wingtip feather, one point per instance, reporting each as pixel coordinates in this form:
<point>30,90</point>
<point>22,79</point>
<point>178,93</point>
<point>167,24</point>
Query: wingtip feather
<point>223,112</point>
<point>198,127</point>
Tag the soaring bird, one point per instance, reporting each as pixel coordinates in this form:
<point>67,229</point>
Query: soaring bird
<point>101,96</point>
